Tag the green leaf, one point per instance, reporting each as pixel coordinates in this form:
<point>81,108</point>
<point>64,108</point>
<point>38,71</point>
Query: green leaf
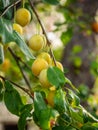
<point>58,128</point>
<point>8,35</point>
<point>74,99</point>
<point>12,99</point>
<point>59,101</point>
<point>70,83</point>
<point>45,117</point>
<point>1,54</point>
<point>1,86</point>
<point>26,113</point>
<point>95,125</point>
<point>6,31</point>
<point>56,76</point>
<point>63,128</point>
<point>20,42</point>
<point>87,117</point>
<point>42,113</point>
<point>64,117</point>
<point>77,114</point>
<point>39,103</point>
<point>1,91</point>
<point>53,2</point>
<point>89,126</point>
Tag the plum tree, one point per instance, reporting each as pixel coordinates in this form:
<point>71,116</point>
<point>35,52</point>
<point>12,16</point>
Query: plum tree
<point>51,103</point>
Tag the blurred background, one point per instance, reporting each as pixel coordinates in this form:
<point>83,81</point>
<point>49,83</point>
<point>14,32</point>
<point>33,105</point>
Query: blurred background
<point>72,27</point>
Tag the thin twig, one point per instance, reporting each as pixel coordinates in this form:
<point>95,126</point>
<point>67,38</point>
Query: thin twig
<point>7,8</point>
<point>19,58</point>
<point>36,14</point>
<point>43,29</point>
<point>17,61</point>
<point>24,89</point>
<point>24,63</point>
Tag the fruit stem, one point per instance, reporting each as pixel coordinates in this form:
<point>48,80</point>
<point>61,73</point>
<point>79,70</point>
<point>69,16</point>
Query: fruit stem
<point>23,3</point>
<point>14,11</point>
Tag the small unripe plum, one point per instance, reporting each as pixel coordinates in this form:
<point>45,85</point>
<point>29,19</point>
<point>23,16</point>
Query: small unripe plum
<point>37,42</point>
<point>43,78</point>
<point>18,28</point>
<point>59,65</point>
<point>45,56</point>
<point>22,17</point>
<point>50,98</point>
<point>38,65</point>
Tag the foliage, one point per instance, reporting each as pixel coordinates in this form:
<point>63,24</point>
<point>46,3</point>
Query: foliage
<point>66,112</point>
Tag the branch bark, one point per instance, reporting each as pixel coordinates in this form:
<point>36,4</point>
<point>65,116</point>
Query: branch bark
<point>24,89</point>
<point>7,8</point>
<point>21,70</point>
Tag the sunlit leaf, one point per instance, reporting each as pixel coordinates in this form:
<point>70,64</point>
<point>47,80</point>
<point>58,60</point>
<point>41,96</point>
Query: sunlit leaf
<point>44,118</point>
<point>56,76</point>
<point>74,99</point>
<point>39,101</point>
<point>8,35</point>
<point>6,31</point>
<point>20,42</point>
<point>42,113</point>
<point>89,126</point>
<point>77,114</point>
<point>59,101</point>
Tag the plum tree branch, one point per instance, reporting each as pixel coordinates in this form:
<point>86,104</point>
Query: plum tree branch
<point>43,29</point>
<point>8,7</point>
<point>40,22</point>
<point>17,61</point>
<point>24,89</point>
